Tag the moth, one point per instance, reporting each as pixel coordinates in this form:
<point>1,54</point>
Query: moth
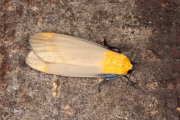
<point>70,56</point>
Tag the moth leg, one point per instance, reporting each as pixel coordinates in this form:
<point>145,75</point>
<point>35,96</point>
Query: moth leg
<point>115,49</point>
<point>105,80</point>
<point>134,84</point>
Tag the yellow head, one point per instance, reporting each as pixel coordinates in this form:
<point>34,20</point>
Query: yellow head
<point>115,63</point>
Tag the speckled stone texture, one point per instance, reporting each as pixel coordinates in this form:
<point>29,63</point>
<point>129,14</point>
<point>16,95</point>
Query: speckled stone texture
<point>147,31</point>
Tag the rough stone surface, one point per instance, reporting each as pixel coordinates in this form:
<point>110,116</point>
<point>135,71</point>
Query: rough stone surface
<point>147,31</point>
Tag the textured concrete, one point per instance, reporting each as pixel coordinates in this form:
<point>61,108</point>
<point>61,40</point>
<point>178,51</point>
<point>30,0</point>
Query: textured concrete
<point>147,31</point>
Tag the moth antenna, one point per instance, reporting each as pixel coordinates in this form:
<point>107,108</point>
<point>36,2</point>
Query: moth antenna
<point>134,84</point>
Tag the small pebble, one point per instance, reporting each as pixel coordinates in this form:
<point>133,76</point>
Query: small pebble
<point>65,107</point>
<point>171,86</point>
<point>11,7</point>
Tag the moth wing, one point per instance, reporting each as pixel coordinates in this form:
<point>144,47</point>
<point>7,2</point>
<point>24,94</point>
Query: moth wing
<point>64,49</point>
<point>62,69</point>
<point>35,62</point>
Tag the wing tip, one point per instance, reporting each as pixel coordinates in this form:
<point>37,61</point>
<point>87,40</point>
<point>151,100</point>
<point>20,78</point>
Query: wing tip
<point>33,61</point>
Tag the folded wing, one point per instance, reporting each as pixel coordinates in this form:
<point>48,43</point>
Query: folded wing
<point>65,55</point>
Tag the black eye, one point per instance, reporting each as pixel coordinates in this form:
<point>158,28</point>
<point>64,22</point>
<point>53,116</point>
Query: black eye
<point>130,71</point>
<point>133,63</point>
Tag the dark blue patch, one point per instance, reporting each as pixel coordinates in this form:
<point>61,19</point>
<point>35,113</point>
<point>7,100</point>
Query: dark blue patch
<point>108,75</point>
<point>112,78</point>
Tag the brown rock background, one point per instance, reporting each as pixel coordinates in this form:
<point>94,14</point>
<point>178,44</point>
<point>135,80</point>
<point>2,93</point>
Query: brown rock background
<point>148,29</point>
